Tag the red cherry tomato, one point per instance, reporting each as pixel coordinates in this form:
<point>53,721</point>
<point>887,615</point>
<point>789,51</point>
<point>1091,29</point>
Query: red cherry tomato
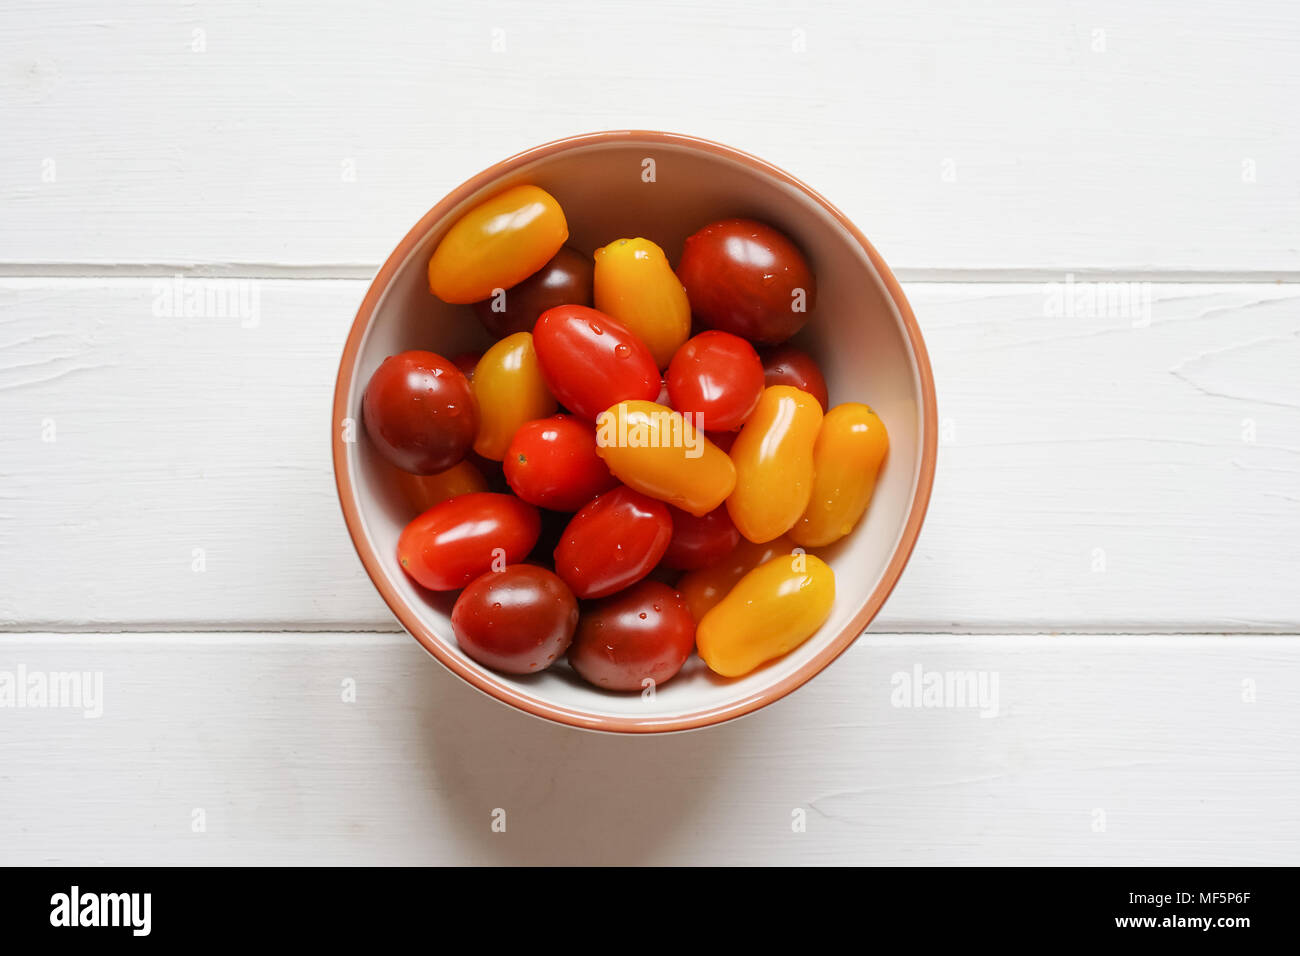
<point>419,412</point>
<point>517,620</point>
<point>718,376</point>
<point>613,542</point>
<point>454,542</point>
<point>699,542</point>
<point>552,463</point>
<point>591,362</point>
<point>637,639</point>
<point>565,280</point>
<point>788,365</point>
<point>749,279</point>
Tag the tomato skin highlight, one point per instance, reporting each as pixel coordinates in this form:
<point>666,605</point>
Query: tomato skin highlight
<point>613,542</point>
<point>847,456</point>
<point>457,540</point>
<point>771,611</point>
<point>698,542</point>
<point>518,620</point>
<point>497,244</point>
<point>591,361</point>
<point>510,390</point>
<point>553,463</point>
<point>704,587</point>
<point>419,412</point>
<point>717,376</point>
<point>744,277</point>
<point>787,365</point>
<point>773,456</point>
<point>642,634</point>
<point>657,451</point>
<point>635,285</point>
<point>565,280</point>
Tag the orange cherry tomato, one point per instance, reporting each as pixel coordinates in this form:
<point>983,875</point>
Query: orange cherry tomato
<point>847,455</point>
<point>771,611</point>
<point>705,587</point>
<point>635,284</point>
<point>510,391</point>
<point>773,455</point>
<point>659,452</point>
<point>422,492</point>
<point>497,244</point>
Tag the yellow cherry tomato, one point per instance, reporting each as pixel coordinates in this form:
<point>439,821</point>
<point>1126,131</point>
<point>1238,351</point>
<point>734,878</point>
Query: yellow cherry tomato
<point>850,447</point>
<point>422,492</point>
<point>773,455</point>
<point>702,588</point>
<point>659,452</point>
<point>509,390</point>
<point>771,611</point>
<point>635,285</point>
<point>497,244</point>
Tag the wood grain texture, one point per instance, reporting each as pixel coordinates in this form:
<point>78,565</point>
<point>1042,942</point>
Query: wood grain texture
<point>1096,472</point>
<point>1026,136</point>
<point>1104,750</point>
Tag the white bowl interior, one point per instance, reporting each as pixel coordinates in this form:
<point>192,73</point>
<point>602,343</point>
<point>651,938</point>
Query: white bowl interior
<point>855,333</point>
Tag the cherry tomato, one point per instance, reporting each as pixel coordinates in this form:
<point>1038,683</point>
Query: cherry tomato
<point>590,361</point>
<point>747,278</point>
<point>659,452</point>
<point>565,280</point>
<point>717,376</point>
<point>698,542</point>
<point>850,447</point>
<point>637,639</point>
<point>454,542</point>
<point>419,412</point>
<point>517,620</point>
<point>510,390</point>
<point>771,611</point>
<point>614,541</point>
<point>773,455</point>
<point>705,587</point>
<point>497,244</point>
<point>552,463</point>
<point>635,285</point>
<point>787,365</point>
<point>466,361</point>
<point>422,492</point>
<point>724,440</point>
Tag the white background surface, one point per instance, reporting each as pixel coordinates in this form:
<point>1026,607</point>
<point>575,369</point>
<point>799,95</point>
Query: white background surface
<point>1115,529</point>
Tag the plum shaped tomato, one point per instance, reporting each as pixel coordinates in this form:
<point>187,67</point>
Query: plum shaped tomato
<point>565,280</point>
<point>509,390</point>
<point>613,542</point>
<point>850,447</point>
<point>634,640</point>
<point>773,456</point>
<point>749,279</point>
<point>705,587</point>
<point>717,376</point>
<point>698,542</point>
<point>787,365</point>
<point>422,492</point>
<point>517,620</point>
<point>419,412</point>
<point>635,285</point>
<point>457,540</point>
<point>591,361</point>
<point>552,463</point>
<point>497,244</point>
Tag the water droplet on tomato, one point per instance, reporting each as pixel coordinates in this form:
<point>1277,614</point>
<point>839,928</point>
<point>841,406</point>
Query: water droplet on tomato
<point>596,328</point>
<point>642,615</point>
<point>622,351</point>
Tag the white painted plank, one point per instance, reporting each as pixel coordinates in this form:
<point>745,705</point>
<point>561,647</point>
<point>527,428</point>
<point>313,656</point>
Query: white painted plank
<point>1118,750</point>
<point>1031,135</point>
<point>1093,475</point>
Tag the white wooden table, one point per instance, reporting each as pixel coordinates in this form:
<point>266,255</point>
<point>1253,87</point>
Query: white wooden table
<point>1115,530</point>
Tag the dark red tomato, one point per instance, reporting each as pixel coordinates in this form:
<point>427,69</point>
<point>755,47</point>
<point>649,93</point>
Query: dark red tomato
<point>723,440</point>
<point>591,362</point>
<point>613,542</point>
<point>749,279</point>
<point>718,376</point>
<point>643,635</point>
<point>466,361</point>
<point>457,540</point>
<point>517,620</point>
<point>419,412</point>
<point>788,365</point>
<point>565,280</point>
<point>699,542</point>
<point>552,463</point>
